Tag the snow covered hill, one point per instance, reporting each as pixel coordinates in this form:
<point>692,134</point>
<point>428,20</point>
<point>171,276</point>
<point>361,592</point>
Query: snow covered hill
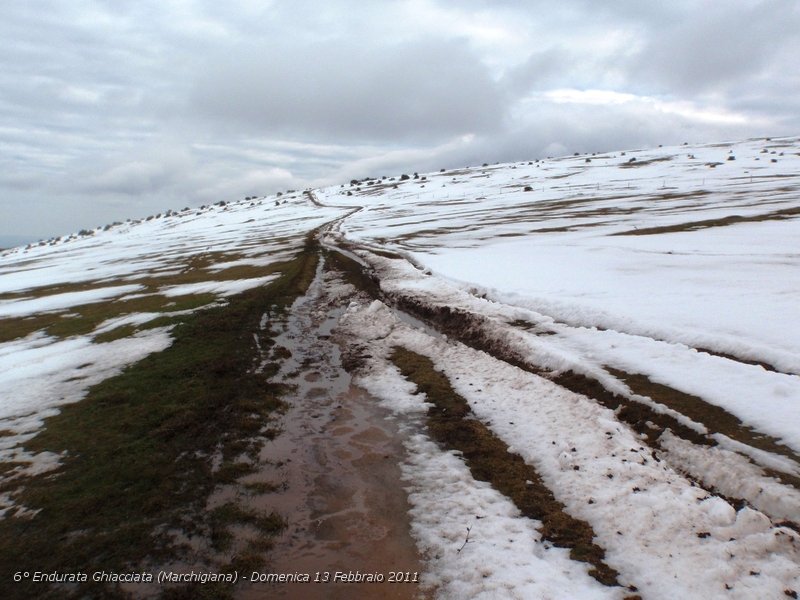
<point>620,330</point>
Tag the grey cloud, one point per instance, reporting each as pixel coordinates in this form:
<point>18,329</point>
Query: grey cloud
<point>542,68</point>
<point>420,90</point>
<point>133,178</point>
<point>716,45</point>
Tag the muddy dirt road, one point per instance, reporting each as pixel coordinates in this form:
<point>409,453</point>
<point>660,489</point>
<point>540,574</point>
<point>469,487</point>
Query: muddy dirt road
<point>335,466</point>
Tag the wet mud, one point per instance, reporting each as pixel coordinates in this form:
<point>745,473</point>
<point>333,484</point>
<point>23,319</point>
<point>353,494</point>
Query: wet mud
<point>333,474</point>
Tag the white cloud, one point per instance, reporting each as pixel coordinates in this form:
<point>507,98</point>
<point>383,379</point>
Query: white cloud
<point>684,108</point>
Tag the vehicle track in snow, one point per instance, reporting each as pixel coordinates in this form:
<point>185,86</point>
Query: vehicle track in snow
<point>648,408</point>
<point>664,435</point>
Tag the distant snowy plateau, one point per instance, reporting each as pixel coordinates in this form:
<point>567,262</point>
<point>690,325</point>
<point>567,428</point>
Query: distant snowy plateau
<point>628,323</point>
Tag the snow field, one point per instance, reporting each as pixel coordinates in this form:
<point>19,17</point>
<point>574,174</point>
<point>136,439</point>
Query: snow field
<point>588,351</point>
<point>733,289</point>
<point>258,235</point>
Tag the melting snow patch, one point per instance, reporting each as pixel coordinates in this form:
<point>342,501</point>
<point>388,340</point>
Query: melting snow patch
<point>29,306</point>
<point>40,373</point>
<point>221,288</point>
<point>732,474</point>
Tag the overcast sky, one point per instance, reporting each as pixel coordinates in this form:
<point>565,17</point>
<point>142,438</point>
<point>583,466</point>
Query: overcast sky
<point>112,109</point>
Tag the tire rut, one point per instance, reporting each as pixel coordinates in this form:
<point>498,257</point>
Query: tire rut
<point>452,424</point>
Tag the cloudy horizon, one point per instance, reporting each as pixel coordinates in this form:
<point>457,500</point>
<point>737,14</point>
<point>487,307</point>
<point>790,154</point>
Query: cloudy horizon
<point>110,110</point>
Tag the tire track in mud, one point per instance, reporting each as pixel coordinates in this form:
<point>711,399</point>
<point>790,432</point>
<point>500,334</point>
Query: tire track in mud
<point>452,424</point>
<point>651,424</point>
<point>713,417</point>
<point>331,472</point>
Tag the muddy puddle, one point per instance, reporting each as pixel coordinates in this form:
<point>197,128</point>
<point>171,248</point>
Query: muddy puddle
<point>336,475</point>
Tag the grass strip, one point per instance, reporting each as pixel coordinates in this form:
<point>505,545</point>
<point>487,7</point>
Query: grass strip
<point>452,424</point>
<point>137,451</point>
<point>777,215</point>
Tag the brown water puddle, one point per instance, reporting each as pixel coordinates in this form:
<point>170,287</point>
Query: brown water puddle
<point>336,467</point>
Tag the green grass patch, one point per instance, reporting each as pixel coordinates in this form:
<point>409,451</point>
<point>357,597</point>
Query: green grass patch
<point>197,269</point>
<point>82,320</point>
<point>50,290</point>
<point>137,450</point>
<point>261,487</point>
<point>229,514</point>
<point>19,327</point>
